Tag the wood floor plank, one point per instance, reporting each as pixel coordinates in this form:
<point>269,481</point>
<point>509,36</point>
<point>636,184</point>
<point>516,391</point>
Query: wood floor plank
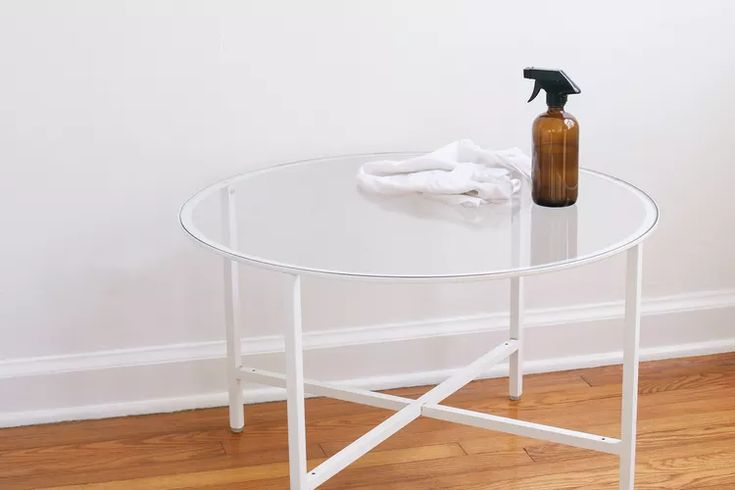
<point>119,453</point>
<point>257,473</point>
<point>686,428</point>
<point>572,411</point>
<point>655,439</point>
<point>430,432</point>
<point>160,464</point>
<point>79,432</point>
<point>406,472</point>
<point>722,363</point>
<point>474,471</point>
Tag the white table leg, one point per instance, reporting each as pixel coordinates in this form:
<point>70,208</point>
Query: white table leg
<point>232,314</point>
<point>630,366</point>
<point>295,389</point>
<point>515,375</point>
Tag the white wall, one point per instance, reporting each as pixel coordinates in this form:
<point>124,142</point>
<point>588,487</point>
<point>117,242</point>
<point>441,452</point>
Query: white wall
<point>111,113</point>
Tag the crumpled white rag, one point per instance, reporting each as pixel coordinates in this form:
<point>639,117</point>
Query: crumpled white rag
<point>459,173</point>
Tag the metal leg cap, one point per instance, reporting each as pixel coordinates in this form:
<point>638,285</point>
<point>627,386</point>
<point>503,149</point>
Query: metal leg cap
<point>514,398</point>
<point>236,430</point>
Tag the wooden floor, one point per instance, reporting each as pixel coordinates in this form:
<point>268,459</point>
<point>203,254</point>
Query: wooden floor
<point>686,440</point>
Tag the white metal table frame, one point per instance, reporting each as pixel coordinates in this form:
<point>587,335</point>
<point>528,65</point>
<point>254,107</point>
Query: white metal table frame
<point>428,405</point>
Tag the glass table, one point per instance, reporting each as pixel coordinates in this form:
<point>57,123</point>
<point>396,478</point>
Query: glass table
<point>309,217</point>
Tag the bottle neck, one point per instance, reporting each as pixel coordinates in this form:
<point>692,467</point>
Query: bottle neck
<point>554,100</point>
<point>556,108</point>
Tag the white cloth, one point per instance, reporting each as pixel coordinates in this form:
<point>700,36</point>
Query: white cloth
<point>459,173</point>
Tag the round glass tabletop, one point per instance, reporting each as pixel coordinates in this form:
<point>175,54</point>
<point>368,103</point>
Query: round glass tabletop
<point>310,217</point>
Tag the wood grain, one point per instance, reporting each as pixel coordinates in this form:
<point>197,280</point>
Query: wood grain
<point>686,433</point>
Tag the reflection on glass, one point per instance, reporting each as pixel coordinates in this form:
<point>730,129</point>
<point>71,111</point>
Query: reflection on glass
<point>553,234</point>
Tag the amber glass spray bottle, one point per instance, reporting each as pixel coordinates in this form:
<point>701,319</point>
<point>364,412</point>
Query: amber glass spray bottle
<point>555,167</point>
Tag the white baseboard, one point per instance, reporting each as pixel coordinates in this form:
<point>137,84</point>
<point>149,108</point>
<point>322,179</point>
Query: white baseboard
<point>137,381</point>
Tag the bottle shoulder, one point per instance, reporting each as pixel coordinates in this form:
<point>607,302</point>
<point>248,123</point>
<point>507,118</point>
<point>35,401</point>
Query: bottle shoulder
<point>556,119</point>
<point>561,115</point>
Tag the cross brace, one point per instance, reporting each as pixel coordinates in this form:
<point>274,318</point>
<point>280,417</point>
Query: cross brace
<point>427,405</point>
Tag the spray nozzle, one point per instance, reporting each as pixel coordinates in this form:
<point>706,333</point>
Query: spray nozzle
<point>556,83</point>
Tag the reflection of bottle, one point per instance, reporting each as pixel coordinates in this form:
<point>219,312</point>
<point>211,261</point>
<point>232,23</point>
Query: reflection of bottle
<point>553,234</point>
<point>555,141</point>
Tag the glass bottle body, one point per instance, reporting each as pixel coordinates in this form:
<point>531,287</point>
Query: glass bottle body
<point>555,171</point>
